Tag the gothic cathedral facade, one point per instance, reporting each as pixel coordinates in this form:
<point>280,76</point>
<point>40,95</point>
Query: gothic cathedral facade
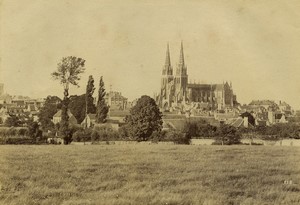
<point>175,89</point>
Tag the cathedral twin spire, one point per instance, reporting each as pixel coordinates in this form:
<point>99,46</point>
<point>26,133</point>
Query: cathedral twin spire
<point>168,60</point>
<point>168,68</point>
<point>181,58</point>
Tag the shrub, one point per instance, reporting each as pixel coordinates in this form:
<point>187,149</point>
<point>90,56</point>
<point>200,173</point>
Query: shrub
<point>3,132</point>
<point>124,133</point>
<point>82,135</point>
<point>177,137</point>
<point>227,135</point>
<point>279,131</point>
<point>13,121</point>
<point>105,133</point>
<point>199,129</point>
<point>34,131</point>
<point>75,128</point>
<point>95,136</point>
<point>77,136</point>
<point>17,140</point>
<point>157,136</point>
<point>11,132</point>
<point>22,132</point>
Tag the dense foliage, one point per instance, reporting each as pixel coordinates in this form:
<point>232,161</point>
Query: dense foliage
<point>51,106</point>
<point>82,135</point>
<point>34,130</point>
<point>102,108</point>
<point>13,121</point>
<point>199,129</point>
<point>105,133</point>
<point>144,119</point>
<point>90,88</point>
<point>227,135</point>
<point>279,131</point>
<point>77,107</point>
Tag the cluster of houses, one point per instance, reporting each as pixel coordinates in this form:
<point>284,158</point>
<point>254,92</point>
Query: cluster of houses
<point>257,112</point>
<point>20,106</point>
<point>267,112</point>
<point>118,109</point>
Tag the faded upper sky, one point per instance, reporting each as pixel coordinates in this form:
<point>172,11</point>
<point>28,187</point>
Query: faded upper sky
<point>254,44</point>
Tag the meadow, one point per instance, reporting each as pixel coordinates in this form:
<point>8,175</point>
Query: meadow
<point>149,174</point>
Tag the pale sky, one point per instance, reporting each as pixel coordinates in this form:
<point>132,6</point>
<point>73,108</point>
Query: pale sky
<point>255,44</point>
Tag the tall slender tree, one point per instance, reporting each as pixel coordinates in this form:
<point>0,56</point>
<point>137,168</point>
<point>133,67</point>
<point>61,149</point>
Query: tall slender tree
<point>68,73</point>
<point>102,108</point>
<point>89,97</point>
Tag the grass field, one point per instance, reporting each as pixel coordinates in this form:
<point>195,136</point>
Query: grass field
<point>149,174</point>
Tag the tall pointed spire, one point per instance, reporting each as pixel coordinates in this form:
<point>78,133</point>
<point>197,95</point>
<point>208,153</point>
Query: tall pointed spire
<point>181,58</point>
<point>168,61</point>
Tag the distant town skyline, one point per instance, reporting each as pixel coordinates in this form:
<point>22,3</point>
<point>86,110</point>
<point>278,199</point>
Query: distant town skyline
<point>253,44</point>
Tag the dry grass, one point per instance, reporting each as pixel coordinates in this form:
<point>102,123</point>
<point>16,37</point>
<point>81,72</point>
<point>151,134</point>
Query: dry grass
<point>149,174</point>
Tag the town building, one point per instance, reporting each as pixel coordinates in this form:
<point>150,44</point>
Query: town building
<point>115,100</point>
<point>89,120</point>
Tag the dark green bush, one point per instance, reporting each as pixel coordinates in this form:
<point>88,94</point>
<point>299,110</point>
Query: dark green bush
<point>227,135</point>
<point>124,133</point>
<point>177,137</point>
<point>157,136</point>
<point>22,132</point>
<point>199,129</point>
<point>105,133</point>
<point>11,132</point>
<point>95,136</point>
<point>82,135</point>
<point>17,140</point>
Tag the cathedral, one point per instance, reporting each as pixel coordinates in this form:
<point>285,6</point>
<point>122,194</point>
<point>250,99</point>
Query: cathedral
<point>177,92</point>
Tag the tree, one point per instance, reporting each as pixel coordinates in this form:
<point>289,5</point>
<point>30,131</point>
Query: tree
<point>77,107</point>
<point>89,100</point>
<point>68,72</point>
<point>51,106</point>
<point>102,108</point>
<point>144,119</point>
<point>34,130</point>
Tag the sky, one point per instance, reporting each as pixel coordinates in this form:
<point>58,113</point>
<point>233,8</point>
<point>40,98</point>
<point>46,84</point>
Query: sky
<point>254,44</point>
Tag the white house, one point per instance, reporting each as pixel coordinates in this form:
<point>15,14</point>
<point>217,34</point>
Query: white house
<point>57,118</point>
<point>89,120</point>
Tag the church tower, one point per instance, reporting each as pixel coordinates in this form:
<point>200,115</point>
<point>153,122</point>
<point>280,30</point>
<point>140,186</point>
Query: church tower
<point>167,72</point>
<point>166,82</point>
<point>181,78</point>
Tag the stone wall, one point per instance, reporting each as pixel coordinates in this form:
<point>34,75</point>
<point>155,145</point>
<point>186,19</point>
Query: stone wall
<point>285,142</point>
